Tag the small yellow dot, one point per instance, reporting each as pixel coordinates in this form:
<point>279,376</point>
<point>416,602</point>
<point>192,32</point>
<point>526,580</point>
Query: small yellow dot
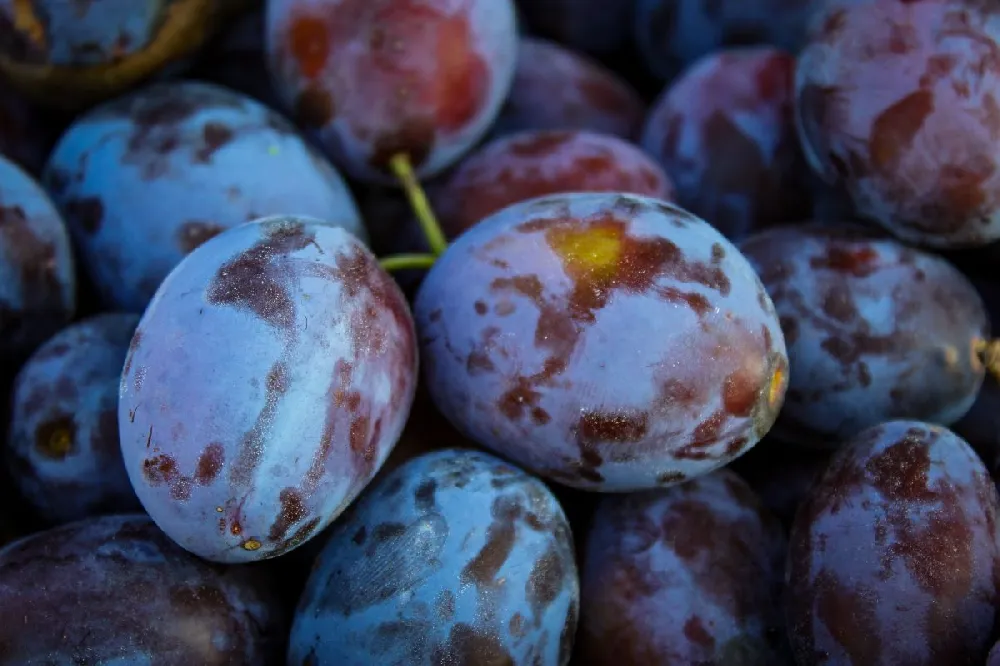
<point>218,509</point>
<point>251,544</point>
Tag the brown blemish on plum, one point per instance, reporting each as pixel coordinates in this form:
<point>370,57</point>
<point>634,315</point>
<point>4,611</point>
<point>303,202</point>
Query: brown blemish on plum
<point>193,233</point>
<point>87,211</point>
<point>424,495</point>
<point>159,470</point>
<point>545,581</point>
<point>467,644</point>
<point>209,464</point>
<point>214,136</point>
<point>894,130</point>
<point>611,427</point>
<point>251,448</point>
<point>55,438</point>
<point>482,569</point>
<point>849,615</point>
<point>694,631</point>
<point>900,472</point>
<point>856,259</point>
<point>293,509</point>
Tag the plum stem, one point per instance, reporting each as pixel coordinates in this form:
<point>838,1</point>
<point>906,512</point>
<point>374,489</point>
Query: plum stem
<point>403,170</point>
<point>989,353</point>
<point>402,262</point>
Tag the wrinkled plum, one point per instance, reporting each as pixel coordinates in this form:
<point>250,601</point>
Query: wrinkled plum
<point>892,557</point>
<point>558,89</point>
<point>454,558</point>
<point>687,575</point>
<point>605,341</point>
<point>72,54</point>
<point>266,383</point>
<point>24,138</point>
<point>672,34</point>
<point>116,590</point>
<point>377,78</point>
<point>875,330</point>
<point>597,26</point>
<point>725,134</point>
<point>219,158</point>
<point>529,164</point>
<point>63,450</point>
<point>897,101</point>
<point>37,273</point>
<point>782,474</point>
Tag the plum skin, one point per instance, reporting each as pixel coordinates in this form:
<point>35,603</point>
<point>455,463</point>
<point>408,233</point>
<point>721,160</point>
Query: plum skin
<point>267,382</point>
<point>703,369</point>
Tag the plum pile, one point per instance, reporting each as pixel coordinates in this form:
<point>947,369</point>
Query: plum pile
<point>499,332</point>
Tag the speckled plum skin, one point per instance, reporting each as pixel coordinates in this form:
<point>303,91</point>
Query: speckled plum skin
<point>672,34</point>
<point>531,164</point>
<point>218,157</point>
<point>455,558</point>
<point>37,270</point>
<point>596,26</point>
<point>687,575</point>
<point>63,450</point>
<point>116,590</point>
<point>605,341</point>
<point>376,78</point>
<point>896,100</point>
<point>556,88</point>
<point>267,382</point>
<point>725,134</point>
<point>892,558</point>
<point>875,330</point>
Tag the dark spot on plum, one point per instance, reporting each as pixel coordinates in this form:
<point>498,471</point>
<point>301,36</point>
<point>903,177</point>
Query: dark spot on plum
<point>857,261</point>
<point>360,536</point>
<point>252,444</point>
<point>484,567</point>
<point>293,509</point>
<point>308,41</point>
<point>387,531</point>
<point>424,495</point>
<point>517,625</point>
<point>694,631</point>
<point>740,392</point>
<point>214,136</point>
<point>894,130</point>
<point>480,307</point>
<point>193,233</point>
<point>209,463</point>
<point>87,211</point>
<point>466,644</point>
<point>55,438</point>
<point>545,582</point>
<point>901,471</point>
<point>159,470</point>
<point>615,427</point>
<point>314,107</point>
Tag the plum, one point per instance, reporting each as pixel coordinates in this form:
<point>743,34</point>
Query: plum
<point>604,341</point>
<point>596,26</point>
<point>556,88</point>
<point>379,78</point>
<point>875,330</point>
<point>897,102</point>
<point>218,157</point>
<point>892,557</point>
<point>455,558</point>
<point>116,590</point>
<point>725,134</point>
<point>267,381</point>
<point>63,449</point>
<point>530,164</point>
<point>686,575</point>
<point>37,270</point>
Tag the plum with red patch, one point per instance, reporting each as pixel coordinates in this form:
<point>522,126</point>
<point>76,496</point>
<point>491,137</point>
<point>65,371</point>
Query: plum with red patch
<point>875,330</point>
<point>146,178</point>
<point>725,134</point>
<point>456,557</point>
<point>267,382</point>
<point>896,101</point>
<point>556,88</point>
<point>687,575</point>
<point>530,164</point>
<point>595,26</point>
<point>62,448</point>
<point>37,269</point>
<point>376,78</point>
<point>604,341</point>
<point>673,34</point>
<point>892,557</point>
<point>116,590</point>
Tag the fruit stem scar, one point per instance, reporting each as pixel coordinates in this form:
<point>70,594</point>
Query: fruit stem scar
<point>988,353</point>
<point>402,168</point>
<point>251,544</point>
<point>402,262</point>
<point>774,390</point>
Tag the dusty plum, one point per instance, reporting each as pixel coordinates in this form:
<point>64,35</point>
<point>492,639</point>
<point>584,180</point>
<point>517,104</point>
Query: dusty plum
<point>875,330</point>
<point>455,558</point>
<point>116,590</point>
<point>530,164</point>
<point>219,158</point>
<point>725,134</point>
<point>63,450</point>
<point>556,88</point>
<point>605,341</point>
<point>896,101</point>
<point>782,474</point>
<point>597,26</point>
<point>687,575</point>
<point>37,271</point>
<point>377,78</point>
<point>672,34</point>
<point>267,382</point>
<point>892,557</point>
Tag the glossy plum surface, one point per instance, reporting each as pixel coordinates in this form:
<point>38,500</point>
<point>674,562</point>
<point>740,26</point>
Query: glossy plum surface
<point>604,341</point>
<point>455,558</point>
<point>267,382</point>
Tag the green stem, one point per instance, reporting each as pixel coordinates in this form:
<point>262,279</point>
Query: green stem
<point>403,170</point>
<point>402,262</point>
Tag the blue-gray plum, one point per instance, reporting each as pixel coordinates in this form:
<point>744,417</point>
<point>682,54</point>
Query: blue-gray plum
<point>266,383</point>
<point>455,558</point>
<point>37,272</point>
<point>377,78</point>
<point>146,178</point>
<point>116,590</point>
<point>62,450</point>
<point>602,340</point>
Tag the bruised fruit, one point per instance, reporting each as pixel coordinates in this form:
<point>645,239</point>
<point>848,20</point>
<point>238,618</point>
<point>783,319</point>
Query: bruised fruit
<point>267,382</point>
<point>604,341</point>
